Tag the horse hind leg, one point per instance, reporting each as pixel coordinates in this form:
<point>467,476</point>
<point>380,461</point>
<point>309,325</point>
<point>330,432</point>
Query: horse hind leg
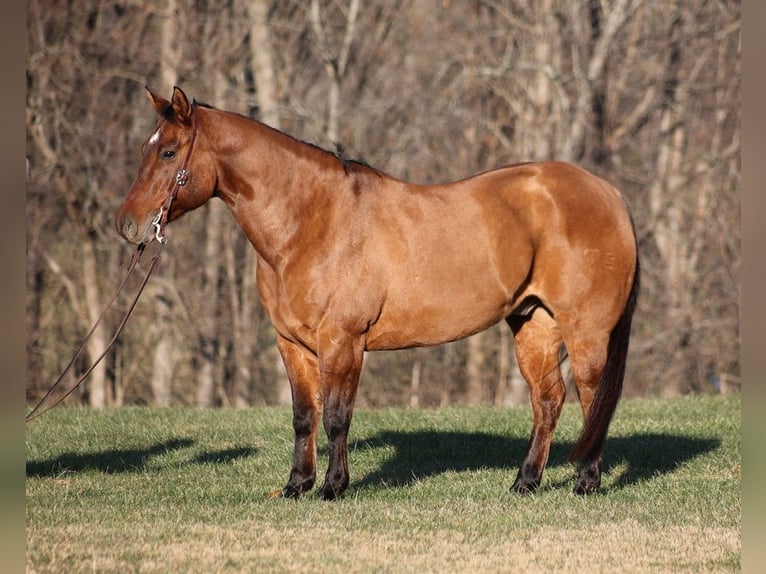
<point>538,340</point>
<point>597,356</point>
<point>588,360</point>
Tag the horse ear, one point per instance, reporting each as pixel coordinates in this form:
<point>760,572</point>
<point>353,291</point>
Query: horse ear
<point>182,110</point>
<point>159,104</point>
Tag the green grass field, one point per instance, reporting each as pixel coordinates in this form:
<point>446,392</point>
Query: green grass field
<point>183,490</point>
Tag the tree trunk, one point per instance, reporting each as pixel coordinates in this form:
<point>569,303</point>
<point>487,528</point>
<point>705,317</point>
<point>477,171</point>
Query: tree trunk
<point>474,394</point>
<point>665,194</point>
<point>539,118</point>
<point>602,29</point>
<point>164,355</point>
<point>335,63</point>
<point>263,62</point>
<point>169,46</point>
<point>265,85</point>
<point>242,302</point>
<point>163,359</point>
<point>97,342</point>
<point>415,383</point>
<point>208,320</point>
<point>506,364</point>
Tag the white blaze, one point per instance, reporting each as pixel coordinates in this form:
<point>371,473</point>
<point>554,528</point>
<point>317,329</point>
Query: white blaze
<point>155,137</point>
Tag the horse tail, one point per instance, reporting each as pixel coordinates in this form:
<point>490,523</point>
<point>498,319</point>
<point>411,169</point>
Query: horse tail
<point>591,441</point>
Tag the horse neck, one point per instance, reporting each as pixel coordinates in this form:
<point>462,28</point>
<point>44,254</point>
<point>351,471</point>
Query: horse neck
<point>273,184</point>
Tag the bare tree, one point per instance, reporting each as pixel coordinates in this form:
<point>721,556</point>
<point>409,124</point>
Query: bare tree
<point>335,59</point>
<point>171,24</point>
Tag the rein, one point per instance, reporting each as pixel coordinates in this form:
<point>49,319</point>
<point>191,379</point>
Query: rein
<point>37,412</point>
<point>159,223</point>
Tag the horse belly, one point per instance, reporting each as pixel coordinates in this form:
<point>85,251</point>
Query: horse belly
<point>455,289</point>
<point>427,315</point>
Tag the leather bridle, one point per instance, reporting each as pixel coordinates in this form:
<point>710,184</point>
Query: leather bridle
<point>159,223</point>
<point>180,180</point>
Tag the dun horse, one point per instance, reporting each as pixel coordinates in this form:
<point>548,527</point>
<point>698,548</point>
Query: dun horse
<point>353,260</point>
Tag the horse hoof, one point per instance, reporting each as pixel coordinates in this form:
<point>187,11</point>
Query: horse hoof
<point>585,487</point>
<point>327,492</point>
<point>290,491</point>
<point>588,481</point>
<point>524,487</point>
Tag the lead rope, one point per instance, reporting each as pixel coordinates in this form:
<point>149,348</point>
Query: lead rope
<point>36,411</point>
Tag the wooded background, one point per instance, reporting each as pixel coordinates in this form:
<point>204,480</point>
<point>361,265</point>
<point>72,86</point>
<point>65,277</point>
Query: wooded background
<point>644,94</point>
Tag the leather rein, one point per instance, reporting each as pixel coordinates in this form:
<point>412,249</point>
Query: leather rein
<point>159,222</point>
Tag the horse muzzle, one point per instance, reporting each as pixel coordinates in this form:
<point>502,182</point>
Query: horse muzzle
<point>134,231</point>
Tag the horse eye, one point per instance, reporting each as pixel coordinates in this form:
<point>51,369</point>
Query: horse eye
<point>168,154</point>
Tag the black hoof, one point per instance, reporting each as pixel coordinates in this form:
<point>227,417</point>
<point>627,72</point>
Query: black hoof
<point>297,484</point>
<point>588,482</point>
<point>291,491</point>
<point>527,480</point>
<point>335,484</point>
<point>583,488</point>
<point>329,492</point>
<point>525,486</point>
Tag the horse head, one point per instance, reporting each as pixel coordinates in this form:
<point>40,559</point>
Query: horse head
<point>176,173</point>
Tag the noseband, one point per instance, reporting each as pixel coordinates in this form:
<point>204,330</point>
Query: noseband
<point>181,179</point>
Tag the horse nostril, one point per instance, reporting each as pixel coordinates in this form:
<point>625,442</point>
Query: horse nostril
<point>129,228</point>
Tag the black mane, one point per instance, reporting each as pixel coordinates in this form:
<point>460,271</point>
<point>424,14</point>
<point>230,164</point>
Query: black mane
<point>349,163</point>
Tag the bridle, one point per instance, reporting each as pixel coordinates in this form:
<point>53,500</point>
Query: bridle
<point>181,179</point>
<point>159,223</point>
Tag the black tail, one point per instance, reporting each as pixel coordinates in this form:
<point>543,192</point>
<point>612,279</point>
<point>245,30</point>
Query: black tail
<point>591,440</point>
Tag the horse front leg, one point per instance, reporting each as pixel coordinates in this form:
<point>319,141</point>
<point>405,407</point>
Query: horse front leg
<point>303,373</point>
<point>340,366</point>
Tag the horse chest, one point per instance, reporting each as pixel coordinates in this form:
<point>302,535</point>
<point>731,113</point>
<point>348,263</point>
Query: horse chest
<point>291,306</point>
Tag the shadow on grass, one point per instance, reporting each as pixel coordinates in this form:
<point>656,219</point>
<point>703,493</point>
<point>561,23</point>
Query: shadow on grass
<point>116,461</point>
<point>422,454</point>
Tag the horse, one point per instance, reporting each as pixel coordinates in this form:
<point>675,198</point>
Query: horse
<point>351,259</point>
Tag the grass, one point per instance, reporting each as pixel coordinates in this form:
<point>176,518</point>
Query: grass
<point>183,490</point>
